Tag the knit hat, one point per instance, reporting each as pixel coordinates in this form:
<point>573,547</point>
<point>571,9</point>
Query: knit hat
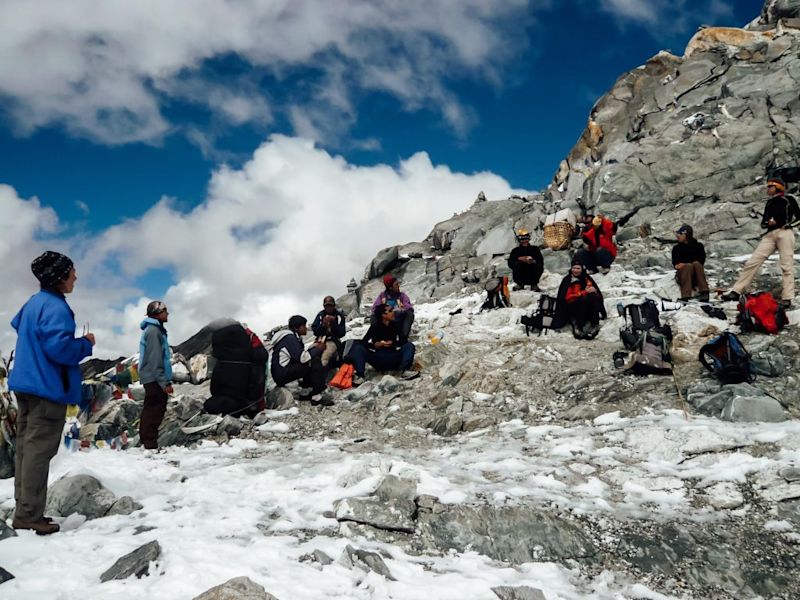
<point>576,260</point>
<point>51,268</point>
<point>597,221</point>
<point>777,182</point>
<point>687,229</point>
<point>388,280</point>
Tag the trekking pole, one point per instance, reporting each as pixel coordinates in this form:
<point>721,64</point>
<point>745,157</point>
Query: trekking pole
<point>680,395</point>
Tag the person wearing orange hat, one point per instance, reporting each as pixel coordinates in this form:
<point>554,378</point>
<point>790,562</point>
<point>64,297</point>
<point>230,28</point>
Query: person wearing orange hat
<point>398,301</point>
<point>600,250</point>
<point>526,263</point>
<point>781,213</point>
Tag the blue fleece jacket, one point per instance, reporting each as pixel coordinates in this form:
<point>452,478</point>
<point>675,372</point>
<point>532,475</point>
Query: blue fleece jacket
<point>47,353</point>
<point>155,364</point>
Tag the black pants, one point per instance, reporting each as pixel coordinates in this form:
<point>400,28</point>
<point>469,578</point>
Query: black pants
<point>527,274</point>
<point>585,310</point>
<point>599,259</point>
<point>40,423</point>
<point>155,405</point>
<point>310,374</point>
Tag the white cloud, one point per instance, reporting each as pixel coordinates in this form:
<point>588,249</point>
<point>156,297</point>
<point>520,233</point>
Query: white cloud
<point>102,69</point>
<point>666,17</point>
<point>272,238</point>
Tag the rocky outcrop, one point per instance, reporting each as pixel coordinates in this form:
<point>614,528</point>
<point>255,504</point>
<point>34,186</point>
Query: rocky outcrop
<point>85,495</point>
<point>238,588</point>
<point>136,563</point>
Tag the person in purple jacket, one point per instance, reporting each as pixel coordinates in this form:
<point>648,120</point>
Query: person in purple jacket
<point>45,379</point>
<point>398,301</point>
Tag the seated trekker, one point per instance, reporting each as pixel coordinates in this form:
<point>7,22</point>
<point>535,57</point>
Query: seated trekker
<point>580,303</point>
<point>329,327</point>
<point>239,376</point>
<point>526,263</point>
<point>688,258</point>
<point>292,362</point>
<point>402,309</point>
<point>600,250</point>
<point>385,347</point>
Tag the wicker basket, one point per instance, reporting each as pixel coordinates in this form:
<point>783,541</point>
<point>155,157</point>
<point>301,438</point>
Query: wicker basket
<point>558,236</point>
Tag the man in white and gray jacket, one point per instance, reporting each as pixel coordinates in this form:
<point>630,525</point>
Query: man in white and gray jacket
<point>291,361</point>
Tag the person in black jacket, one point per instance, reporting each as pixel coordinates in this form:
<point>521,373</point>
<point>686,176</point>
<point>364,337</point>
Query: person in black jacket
<point>781,213</point>
<point>688,258</point>
<point>526,263</point>
<point>291,361</point>
<point>385,347</point>
<point>239,376</point>
<point>329,326</point>
<point>580,303</point>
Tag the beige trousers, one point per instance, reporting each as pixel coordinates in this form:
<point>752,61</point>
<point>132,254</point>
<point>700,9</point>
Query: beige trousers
<point>783,241</point>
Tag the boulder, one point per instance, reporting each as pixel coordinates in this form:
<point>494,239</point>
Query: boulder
<point>391,514</point>
<point>522,592</point>
<point>198,365</point>
<point>6,531</point>
<point>279,398</point>
<point>753,408</point>
<point>446,425</point>
<point>85,495</point>
<point>238,588</point>
<point>135,563</point>
<point>5,575</point>
<point>366,561</point>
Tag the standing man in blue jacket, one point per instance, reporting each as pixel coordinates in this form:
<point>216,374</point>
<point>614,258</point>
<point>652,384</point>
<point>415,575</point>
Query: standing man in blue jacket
<point>155,373</point>
<point>45,379</point>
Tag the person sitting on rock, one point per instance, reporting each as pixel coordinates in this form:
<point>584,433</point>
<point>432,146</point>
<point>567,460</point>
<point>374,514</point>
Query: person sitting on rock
<point>385,347</point>
<point>329,326</point>
<point>292,362</point>
<point>526,263</point>
<point>688,258</point>
<point>239,376</point>
<point>402,309</point>
<point>781,213</point>
<point>600,250</point>
<point>580,303</point>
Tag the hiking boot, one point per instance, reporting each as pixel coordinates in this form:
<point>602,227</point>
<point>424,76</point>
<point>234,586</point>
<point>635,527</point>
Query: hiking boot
<point>577,331</point>
<point>516,288</point>
<point>321,399</point>
<point>702,297</point>
<point>408,375</point>
<point>535,288</point>
<point>786,304</point>
<point>358,380</point>
<point>605,270</point>
<point>590,332</point>
<point>42,527</point>
<point>731,296</point>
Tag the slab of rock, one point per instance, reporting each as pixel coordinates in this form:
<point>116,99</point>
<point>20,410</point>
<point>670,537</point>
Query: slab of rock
<point>230,426</point>
<point>513,534</point>
<point>279,398</point>
<point>366,561</point>
<point>478,422</point>
<point>392,514</point>
<point>238,588</point>
<point>136,563</point>
<point>748,409</point>
<point>85,495</point>
<point>392,487</point>
<point>5,575</point>
<point>446,425</point>
<point>522,592</point>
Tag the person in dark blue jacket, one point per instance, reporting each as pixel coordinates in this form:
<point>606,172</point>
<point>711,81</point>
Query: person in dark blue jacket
<point>329,326</point>
<point>155,372</point>
<point>45,379</point>
<point>291,361</point>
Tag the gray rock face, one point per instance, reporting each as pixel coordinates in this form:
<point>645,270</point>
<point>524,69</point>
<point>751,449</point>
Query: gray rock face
<point>6,531</point>
<point>522,592</point>
<point>741,402</point>
<point>366,561</point>
<point>136,563</point>
<point>514,534</point>
<point>238,588</point>
<point>392,514</point>
<point>779,9</point>
<point>758,408</point>
<point>279,398</point>
<point>85,495</point>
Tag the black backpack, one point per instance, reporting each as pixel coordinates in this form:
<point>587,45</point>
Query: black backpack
<point>496,294</point>
<point>647,340</point>
<point>726,357</point>
<point>543,317</point>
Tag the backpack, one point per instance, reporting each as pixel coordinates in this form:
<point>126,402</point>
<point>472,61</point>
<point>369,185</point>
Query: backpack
<point>726,357</point>
<point>643,318</point>
<point>542,318</point>
<point>761,312</point>
<point>497,295</point>
<point>647,340</point>
<point>343,378</point>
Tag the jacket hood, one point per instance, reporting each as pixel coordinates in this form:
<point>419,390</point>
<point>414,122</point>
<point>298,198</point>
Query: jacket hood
<point>151,321</point>
<point>280,335</point>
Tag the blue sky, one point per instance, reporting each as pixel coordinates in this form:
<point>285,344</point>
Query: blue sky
<point>104,115</point>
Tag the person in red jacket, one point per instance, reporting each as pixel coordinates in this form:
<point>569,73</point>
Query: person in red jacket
<point>600,250</point>
<point>580,303</point>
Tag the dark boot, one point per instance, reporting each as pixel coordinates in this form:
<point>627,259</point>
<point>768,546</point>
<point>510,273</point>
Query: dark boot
<point>41,527</point>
